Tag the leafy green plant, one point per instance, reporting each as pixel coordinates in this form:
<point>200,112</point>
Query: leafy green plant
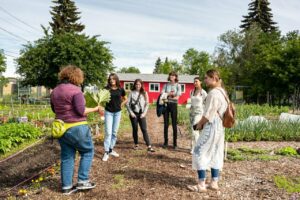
<point>246,110</point>
<point>291,185</point>
<point>99,98</point>
<point>264,131</point>
<point>183,117</point>
<point>14,134</point>
<point>287,151</point>
<point>252,151</point>
<point>245,153</point>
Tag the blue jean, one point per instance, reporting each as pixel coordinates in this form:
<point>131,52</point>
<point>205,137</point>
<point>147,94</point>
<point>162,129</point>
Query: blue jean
<point>214,174</point>
<point>76,138</point>
<point>112,122</point>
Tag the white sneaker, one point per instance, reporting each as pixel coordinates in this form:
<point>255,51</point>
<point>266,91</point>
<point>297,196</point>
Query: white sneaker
<point>105,157</point>
<point>113,153</point>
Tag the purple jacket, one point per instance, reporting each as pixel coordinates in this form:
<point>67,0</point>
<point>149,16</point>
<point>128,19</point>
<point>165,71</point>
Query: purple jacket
<point>68,103</point>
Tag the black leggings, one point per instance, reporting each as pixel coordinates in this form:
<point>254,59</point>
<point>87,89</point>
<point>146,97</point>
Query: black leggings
<point>171,108</point>
<point>143,125</point>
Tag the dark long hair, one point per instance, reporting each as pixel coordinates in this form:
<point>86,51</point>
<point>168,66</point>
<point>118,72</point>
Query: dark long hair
<point>173,74</point>
<point>142,90</point>
<point>197,78</point>
<point>116,78</point>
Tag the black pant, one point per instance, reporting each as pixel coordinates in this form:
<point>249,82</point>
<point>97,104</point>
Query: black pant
<point>143,125</point>
<point>171,108</point>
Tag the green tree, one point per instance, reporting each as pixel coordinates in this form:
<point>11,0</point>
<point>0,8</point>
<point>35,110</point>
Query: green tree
<point>40,62</point>
<point>196,62</point>
<point>157,66</point>
<point>259,13</point>
<point>177,67</point>
<point>3,80</point>
<point>2,62</point>
<point>65,17</point>
<point>227,56</point>
<point>166,67</point>
<point>131,69</point>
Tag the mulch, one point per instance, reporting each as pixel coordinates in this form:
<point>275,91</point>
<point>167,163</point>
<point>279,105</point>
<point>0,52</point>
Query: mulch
<point>164,174</point>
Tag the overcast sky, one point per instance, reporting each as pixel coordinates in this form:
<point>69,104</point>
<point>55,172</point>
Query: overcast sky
<point>139,31</point>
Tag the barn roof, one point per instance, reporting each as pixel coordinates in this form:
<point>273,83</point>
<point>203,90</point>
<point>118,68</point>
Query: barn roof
<point>154,77</point>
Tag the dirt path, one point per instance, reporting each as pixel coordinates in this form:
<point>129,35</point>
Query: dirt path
<point>166,173</point>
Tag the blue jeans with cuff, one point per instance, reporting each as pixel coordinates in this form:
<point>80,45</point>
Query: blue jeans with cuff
<point>214,174</point>
<point>79,139</point>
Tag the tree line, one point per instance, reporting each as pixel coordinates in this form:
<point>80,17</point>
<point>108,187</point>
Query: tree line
<point>255,56</point>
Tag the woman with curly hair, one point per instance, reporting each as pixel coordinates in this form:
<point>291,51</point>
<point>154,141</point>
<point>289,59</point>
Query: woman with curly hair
<point>68,104</point>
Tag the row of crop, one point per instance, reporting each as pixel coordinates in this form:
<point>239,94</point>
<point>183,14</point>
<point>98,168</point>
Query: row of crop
<point>272,130</point>
<point>14,134</point>
<point>264,131</point>
<point>30,114</point>
<point>246,110</point>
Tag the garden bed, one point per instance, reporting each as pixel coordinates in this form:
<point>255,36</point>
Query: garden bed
<point>160,175</point>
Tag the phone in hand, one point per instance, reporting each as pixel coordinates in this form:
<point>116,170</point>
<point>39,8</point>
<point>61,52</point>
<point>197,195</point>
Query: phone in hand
<point>195,127</point>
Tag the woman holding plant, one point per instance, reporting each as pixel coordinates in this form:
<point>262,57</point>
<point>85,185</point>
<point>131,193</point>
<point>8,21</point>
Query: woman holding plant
<point>112,115</point>
<point>209,149</point>
<point>137,106</point>
<point>68,104</point>
<point>197,96</point>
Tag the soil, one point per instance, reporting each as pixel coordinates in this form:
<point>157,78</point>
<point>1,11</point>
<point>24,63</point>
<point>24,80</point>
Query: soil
<point>29,162</point>
<point>164,174</point>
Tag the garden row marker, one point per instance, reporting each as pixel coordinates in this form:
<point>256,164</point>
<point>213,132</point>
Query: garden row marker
<point>225,154</point>
<point>97,129</point>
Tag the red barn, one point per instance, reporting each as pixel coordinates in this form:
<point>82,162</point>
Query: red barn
<point>153,84</point>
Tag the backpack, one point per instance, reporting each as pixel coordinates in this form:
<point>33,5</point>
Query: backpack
<point>160,108</point>
<point>229,115</point>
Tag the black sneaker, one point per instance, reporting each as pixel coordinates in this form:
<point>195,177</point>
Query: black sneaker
<point>69,191</point>
<point>165,146</point>
<point>85,186</point>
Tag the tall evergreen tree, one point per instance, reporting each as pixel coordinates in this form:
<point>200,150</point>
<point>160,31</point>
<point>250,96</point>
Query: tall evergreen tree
<point>259,13</point>
<point>65,17</point>
<point>157,66</point>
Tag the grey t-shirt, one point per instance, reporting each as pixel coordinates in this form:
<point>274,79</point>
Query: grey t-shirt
<point>176,88</point>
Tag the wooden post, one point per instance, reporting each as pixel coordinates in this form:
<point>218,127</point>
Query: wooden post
<point>97,130</point>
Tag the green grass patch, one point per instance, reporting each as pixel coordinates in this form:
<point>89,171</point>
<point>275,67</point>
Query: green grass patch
<point>268,157</point>
<point>119,181</point>
<point>290,185</point>
<point>245,153</point>
<point>253,151</point>
<point>125,124</point>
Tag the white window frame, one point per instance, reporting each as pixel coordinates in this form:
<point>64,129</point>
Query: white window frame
<point>130,85</point>
<point>182,90</point>
<point>154,87</point>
